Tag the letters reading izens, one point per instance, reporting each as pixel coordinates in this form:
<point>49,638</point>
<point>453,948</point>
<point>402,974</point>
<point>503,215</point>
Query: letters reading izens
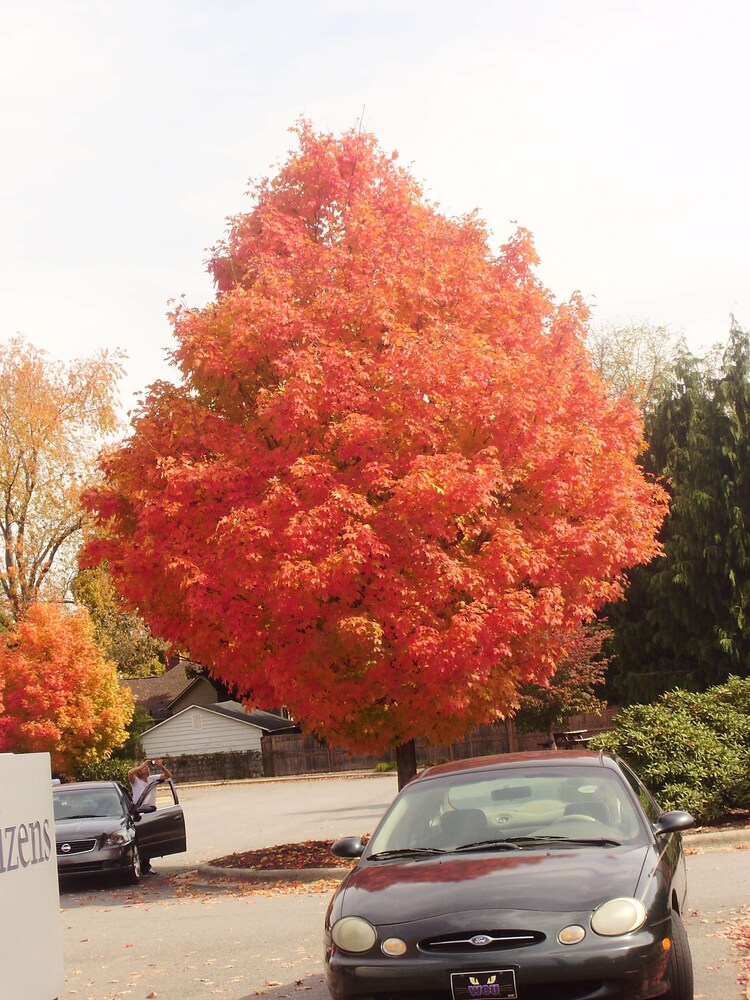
<point>23,845</point>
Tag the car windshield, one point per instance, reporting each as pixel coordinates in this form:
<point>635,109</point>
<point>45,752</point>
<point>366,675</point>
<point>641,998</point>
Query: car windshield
<point>80,803</point>
<point>510,809</point>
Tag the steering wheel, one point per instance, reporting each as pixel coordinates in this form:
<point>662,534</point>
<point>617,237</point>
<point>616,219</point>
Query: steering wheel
<point>577,818</point>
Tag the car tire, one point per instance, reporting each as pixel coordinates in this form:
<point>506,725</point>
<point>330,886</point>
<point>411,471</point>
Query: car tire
<point>132,875</point>
<point>680,962</point>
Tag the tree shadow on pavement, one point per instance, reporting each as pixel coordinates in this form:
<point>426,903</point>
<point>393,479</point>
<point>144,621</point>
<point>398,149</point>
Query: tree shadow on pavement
<point>190,885</point>
<point>109,891</point>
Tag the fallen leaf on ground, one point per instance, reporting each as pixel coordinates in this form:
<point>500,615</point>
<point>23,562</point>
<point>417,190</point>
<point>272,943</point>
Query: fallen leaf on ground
<point>307,854</point>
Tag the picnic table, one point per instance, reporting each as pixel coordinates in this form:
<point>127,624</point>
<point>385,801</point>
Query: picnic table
<point>571,738</point>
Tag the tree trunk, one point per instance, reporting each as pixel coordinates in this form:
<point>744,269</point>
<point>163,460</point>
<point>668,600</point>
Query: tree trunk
<point>406,762</point>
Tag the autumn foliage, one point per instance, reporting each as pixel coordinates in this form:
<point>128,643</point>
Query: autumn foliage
<point>545,707</point>
<point>59,694</point>
<point>53,417</point>
<point>389,483</point>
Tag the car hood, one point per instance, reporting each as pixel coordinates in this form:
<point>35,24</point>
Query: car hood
<point>560,880</point>
<point>85,828</point>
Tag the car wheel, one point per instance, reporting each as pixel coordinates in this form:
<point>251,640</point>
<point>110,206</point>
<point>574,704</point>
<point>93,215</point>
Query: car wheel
<point>680,962</point>
<point>131,875</point>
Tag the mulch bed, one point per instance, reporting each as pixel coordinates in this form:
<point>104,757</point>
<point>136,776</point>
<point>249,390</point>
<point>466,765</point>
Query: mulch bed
<point>737,819</point>
<point>307,854</point>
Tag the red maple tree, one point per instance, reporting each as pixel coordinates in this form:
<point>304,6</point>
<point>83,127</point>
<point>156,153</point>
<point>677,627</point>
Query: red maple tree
<point>548,706</point>
<point>59,694</point>
<point>389,482</point>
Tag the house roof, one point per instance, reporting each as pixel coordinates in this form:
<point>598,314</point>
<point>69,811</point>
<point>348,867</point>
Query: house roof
<point>190,684</point>
<point>155,694</point>
<point>262,720</point>
<point>266,721</point>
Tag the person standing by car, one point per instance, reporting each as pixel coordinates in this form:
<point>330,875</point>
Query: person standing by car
<point>143,781</point>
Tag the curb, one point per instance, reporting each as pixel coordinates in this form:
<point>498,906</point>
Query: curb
<point>263,780</point>
<point>716,839</point>
<point>273,874</point>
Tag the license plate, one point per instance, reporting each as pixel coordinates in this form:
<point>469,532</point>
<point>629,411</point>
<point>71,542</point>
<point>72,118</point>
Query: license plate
<point>466,985</point>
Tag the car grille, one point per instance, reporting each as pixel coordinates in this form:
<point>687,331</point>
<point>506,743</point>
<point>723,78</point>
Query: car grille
<point>76,847</point>
<point>87,868</point>
<point>475,942</point>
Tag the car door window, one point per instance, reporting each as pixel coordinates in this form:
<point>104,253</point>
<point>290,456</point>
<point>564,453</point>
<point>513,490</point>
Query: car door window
<point>164,794</point>
<point>648,804</point>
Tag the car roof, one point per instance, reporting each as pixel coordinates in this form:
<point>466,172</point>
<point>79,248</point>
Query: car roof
<point>89,786</point>
<point>495,762</point>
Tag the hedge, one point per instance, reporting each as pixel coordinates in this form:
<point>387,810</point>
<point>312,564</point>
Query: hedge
<point>692,750</point>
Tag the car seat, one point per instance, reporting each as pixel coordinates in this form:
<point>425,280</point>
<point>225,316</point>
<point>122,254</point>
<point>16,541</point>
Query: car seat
<point>594,808</point>
<point>464,826</point>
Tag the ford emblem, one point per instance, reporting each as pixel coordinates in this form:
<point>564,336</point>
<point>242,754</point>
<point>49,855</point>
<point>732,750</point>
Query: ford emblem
<point>480,940</point>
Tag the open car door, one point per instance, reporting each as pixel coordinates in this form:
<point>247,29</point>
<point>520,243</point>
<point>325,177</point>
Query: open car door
<point>162,831</point>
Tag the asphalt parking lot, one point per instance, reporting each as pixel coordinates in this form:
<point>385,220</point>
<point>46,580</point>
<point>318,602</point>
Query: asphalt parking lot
<point>183,936</point>
<point>186,937</point>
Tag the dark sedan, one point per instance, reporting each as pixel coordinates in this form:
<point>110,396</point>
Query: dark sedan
<point>100,831</point>
<point>543,876</point>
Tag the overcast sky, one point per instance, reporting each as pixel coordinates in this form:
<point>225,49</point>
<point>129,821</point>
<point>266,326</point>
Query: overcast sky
<point>615,130</point>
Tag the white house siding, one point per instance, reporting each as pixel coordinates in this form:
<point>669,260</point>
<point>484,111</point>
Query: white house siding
<point>196,730</point>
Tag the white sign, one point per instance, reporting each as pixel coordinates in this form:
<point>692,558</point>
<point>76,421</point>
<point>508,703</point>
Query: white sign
<point>31,958</point>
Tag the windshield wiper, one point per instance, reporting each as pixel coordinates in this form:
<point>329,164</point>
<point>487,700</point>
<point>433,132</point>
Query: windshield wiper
<point>486,845</point>
<point>406,852</point>
<point>544,839</point>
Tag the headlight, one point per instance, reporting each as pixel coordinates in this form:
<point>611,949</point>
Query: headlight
<point>618,916</point>
<point>353,934</point>
<point>116,839</point>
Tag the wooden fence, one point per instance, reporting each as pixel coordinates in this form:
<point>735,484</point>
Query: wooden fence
<point>293,753</point>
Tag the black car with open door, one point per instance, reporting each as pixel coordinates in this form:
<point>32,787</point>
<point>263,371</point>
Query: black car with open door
<point>99,830</point>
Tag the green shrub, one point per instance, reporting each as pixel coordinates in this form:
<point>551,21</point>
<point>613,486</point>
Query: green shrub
<point>692,750</point>
<point>386,765</point>
<point>114,769</point>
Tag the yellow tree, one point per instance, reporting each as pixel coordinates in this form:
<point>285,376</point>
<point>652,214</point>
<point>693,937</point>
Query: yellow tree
<point>52,420</point>
<point>635,359</point>
<point>122,634</point>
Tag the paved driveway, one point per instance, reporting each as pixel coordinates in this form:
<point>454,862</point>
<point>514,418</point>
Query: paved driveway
<point>718,885</point>
<point>241,816</point>
<point>181,937</point>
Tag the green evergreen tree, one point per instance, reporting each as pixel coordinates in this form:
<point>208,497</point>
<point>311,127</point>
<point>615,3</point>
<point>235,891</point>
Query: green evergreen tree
<point>685,621</point>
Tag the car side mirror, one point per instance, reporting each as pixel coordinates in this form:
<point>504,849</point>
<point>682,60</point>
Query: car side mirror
<point>143,809</point>
<point>348,847</point>
<point>673,822</point>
